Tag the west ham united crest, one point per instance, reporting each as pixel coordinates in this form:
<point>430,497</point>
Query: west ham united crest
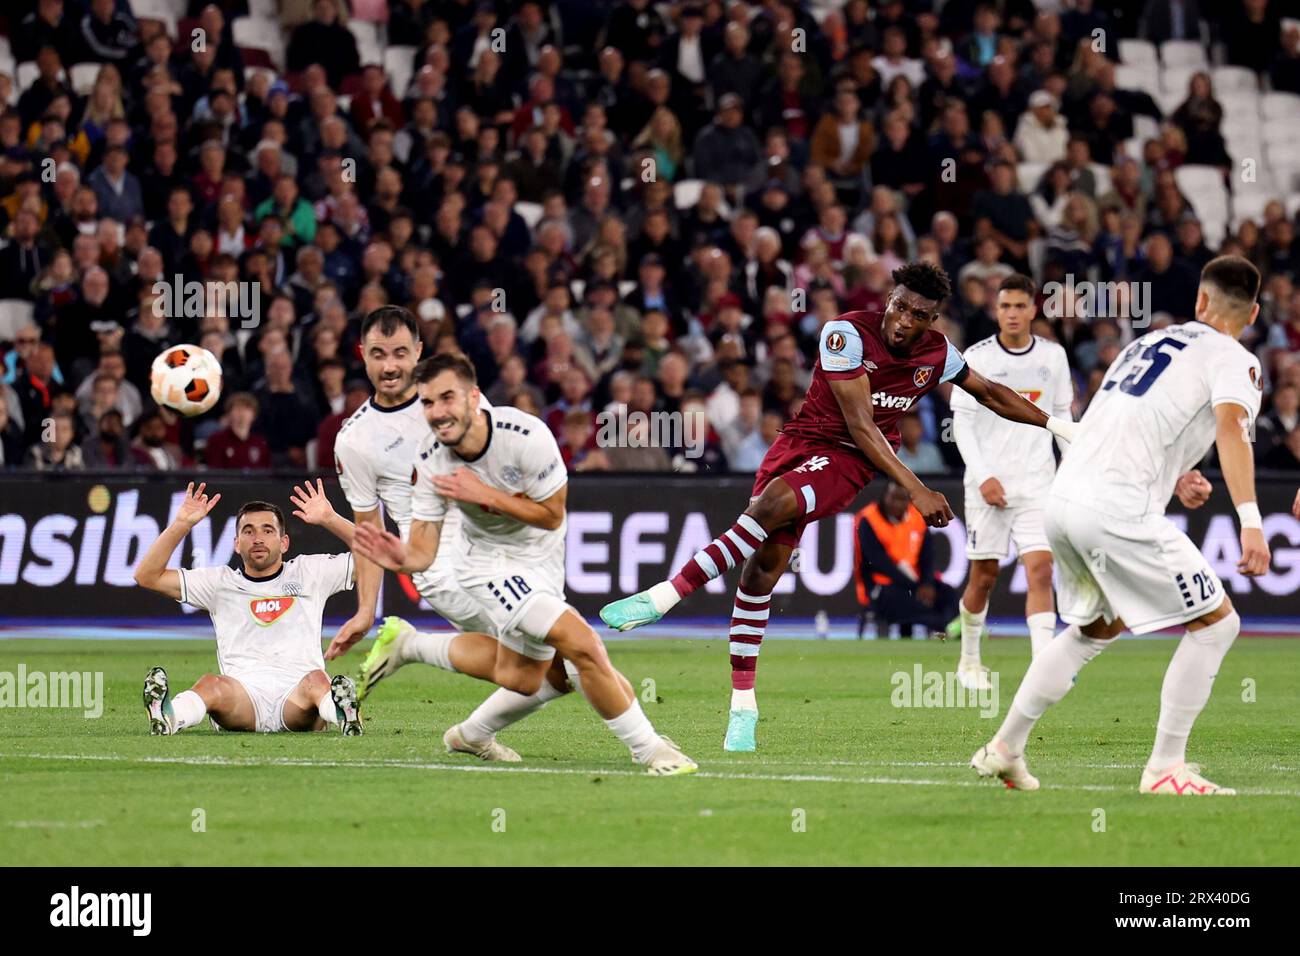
<point>922,375</point>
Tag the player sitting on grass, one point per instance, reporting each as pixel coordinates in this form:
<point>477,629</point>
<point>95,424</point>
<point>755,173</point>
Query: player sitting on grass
<point>267,621</point>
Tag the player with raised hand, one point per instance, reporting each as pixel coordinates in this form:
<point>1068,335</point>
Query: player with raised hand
<point>502,470</point>
<point>872,367</point>
<point>1009,467</point>
<point>266,617</point>
<point>1121,564</point>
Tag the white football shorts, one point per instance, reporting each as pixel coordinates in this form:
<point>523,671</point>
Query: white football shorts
<point>990,531</point>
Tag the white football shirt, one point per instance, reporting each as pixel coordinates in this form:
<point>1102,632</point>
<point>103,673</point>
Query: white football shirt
<point>269,624</point>
<point>1018,455</point>
<point>375,454</point>
<point>1153,418</point>
<point>521,458</point>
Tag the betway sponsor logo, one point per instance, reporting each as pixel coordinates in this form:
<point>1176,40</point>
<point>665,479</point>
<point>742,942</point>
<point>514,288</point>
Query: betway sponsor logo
<point>90,549</point>
<point>892,401</point>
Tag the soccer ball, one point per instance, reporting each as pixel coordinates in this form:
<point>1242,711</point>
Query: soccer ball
<point>186,378</point>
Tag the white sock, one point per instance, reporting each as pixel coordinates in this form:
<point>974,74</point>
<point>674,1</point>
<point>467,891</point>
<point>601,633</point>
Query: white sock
<point>664,596</point>
<point>972,626</point>
<point>433,647</point>
<point>634,729</point>
<point>328,712</point>
<point>1050,676</point>
<point>1187,686</point>
<point>1042,628</point>
<point>744,700</point>
<point>187,710</point>
<point>503,708</point>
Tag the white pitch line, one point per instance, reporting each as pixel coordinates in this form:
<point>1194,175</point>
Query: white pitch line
<point>568,771</point>
<point>54,824</point>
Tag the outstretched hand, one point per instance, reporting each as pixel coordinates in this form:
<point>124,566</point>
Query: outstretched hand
<point>380,546</point>
<point>311,504</point>
<point>196,505</point>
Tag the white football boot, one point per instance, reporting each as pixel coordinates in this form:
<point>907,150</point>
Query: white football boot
<point>973,676</point>
<point>668,761</point>
<point>1182,780</point>
<point>456,743</point>
<point>992,760</point>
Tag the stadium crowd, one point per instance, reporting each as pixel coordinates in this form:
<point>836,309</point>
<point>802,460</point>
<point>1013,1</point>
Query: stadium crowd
<point>606,205</point>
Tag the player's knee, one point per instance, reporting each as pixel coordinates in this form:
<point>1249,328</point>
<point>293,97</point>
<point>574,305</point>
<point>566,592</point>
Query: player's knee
<point>212,689</point>
<point>775,507</point>
<point>585,651</point>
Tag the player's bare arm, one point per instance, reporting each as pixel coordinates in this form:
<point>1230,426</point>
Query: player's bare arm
<point>1238,463</point>
<point>854,397</point>
<point>464,485</point>
<point>152,571</point>
<point>389,551</point>
<point>314,508</point>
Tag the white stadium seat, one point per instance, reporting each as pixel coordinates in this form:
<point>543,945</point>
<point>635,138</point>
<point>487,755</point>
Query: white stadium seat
<point>1283,162</point>
<point>260,35</point>
<point>266,9</point>
<point>1204,189</point>
<point>14,315</point>
<point>1183,53</point>
<point>1233,79</point>
<point>25,75</point>
<point>1136,52</point>
<point>1279,106</point>
<point>1145,127</point>
<point>1249,206</point>
<point>1292,204</point>
<point>1101,174</point>
<point>686,194</point>
<point>399,64</point>
<point>1028,175</point>
<point>84,76</point>
<point>529,212</point>
<point>1143,76</point>
<point>1239,107</point>
<point>1175,79</point>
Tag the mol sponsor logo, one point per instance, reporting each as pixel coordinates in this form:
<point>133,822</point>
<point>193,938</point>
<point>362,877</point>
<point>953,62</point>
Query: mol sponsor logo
<point>268,610</point>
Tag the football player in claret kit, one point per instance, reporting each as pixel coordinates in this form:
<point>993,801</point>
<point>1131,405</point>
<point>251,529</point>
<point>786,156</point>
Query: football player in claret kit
<point>266,617</point>
<point>502,470</point>
<point>1009,468</point>
<point>872,367</point>
<point>1120,563</point>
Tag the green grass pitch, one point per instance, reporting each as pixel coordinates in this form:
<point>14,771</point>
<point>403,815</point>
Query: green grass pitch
<point>841,777</point>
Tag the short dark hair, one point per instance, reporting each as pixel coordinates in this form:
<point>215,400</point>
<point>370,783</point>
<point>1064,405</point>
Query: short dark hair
<point>431,368</point>
<point>1016,282</point>
<point>925,279</point>
<point>388,319</point>
<point>248,506</point>
<point>1235,277</point>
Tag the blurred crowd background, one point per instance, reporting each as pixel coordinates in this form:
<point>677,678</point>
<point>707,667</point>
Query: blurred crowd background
<point>613,206</point>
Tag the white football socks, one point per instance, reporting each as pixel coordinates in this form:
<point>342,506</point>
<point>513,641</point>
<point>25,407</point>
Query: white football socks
<point>744,700</point>
<point>1049,678</point>
<point>432,647</point>
<point>187,710</point>
<point>1042,628</point>
<point>328,712</point>
<point>1187,686</point>
<point>664,596</point>
<point>633,727</point>
<point>972,626</point>
<point>503,708</point>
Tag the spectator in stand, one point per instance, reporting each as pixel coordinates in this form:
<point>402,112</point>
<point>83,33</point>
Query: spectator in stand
<point>237,446</point>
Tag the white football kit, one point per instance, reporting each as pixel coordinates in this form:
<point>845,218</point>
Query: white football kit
<point>513,571</point>
<point>1117,555</point>
<point>268,630</point>
<point>1018,455</point>
<point>375,455</point>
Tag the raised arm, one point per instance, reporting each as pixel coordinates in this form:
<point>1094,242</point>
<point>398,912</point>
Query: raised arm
<point>152,571</point>
<point>854,397</point>
<point>1232,439</point>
